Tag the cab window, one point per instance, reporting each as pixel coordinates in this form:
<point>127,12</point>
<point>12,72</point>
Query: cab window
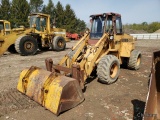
<point>7,26</point>
<point>118,25</point>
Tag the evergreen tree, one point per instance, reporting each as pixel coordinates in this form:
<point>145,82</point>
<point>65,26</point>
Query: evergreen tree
<point>70,19</point>
<point>59,15</point>
<point>80,26</point>
<point>44,9</point>
<point>5,10</point>
<point>36,5</point>
<point>50,9</point>
<point>19,13</point>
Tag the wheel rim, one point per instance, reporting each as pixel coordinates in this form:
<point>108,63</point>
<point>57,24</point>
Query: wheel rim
<point>138,60</point>
<point>113,70</point>
<point>60,43</point>
<point>28,46</point>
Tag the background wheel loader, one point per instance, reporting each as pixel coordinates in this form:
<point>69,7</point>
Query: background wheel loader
<point>5,29</point>
<point>103,49</point>
<point>39,35</point>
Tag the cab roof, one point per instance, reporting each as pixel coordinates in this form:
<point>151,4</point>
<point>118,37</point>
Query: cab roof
<point>4,21</point>
<point>40,14</point>
<point>107,14</point>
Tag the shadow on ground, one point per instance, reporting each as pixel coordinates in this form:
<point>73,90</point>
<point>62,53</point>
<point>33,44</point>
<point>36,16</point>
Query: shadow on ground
<point>138,109</point>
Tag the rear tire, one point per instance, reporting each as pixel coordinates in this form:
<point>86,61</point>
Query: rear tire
<point>58,43</point>
<point>134,60</point>
<point>108,69</point>
<point>26,45</point>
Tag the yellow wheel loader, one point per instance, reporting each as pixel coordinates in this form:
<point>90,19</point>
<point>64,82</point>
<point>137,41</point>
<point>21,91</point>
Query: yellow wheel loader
<point>152,108</point>
<point>40,35</point>
<point>5,30</point>
<point>103,49</point>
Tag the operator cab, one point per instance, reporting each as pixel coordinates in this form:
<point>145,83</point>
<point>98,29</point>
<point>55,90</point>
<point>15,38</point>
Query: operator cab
<point>38,21</point>
<point>102,23</point>
<point>5,27</point>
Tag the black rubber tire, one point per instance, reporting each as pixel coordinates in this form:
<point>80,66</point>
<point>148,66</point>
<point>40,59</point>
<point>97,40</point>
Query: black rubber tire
<point>58,43</point>
<point>12,49</point>
<point>135,60</point>
<point>108,69</point>
<point>23,42</point>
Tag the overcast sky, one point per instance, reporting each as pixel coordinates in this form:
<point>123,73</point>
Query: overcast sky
<point>132,11</point>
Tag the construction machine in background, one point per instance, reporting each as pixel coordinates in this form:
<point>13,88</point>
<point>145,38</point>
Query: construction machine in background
<point>5,31</point>
<point>40,35</point>
<point>73,36</point>
<point>103,49</point>
<point>152,108</point>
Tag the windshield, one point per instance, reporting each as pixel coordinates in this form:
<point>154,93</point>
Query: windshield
<point>97,28</point>
<point>39,21</point>
<point>109,27</point>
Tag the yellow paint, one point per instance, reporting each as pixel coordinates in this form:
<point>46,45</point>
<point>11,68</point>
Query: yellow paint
<point>19,86</point>
<point>36,81</point>
<point>54,95</point>
<point>126,49</point>
<point>28,78</point>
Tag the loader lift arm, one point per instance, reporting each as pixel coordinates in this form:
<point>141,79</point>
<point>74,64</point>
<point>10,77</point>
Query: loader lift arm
<point>82,69</point>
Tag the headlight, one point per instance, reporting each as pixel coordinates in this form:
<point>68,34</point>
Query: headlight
<point>111,37</point>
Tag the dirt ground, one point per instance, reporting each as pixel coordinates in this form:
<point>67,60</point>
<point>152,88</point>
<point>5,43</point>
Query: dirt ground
<point>122,100</point>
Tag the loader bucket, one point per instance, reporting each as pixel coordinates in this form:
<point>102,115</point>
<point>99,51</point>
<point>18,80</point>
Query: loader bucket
<point>152,108</point>
<point>55,92</point>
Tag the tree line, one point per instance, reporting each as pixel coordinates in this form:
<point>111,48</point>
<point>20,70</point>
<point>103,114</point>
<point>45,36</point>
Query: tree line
<point>17,12</point>
<point>150,28</point>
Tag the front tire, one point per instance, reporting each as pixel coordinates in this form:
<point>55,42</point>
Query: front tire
<point>108,69</point>
<point>134,60</point>
<point>26,45</point>
<point>59,43</point>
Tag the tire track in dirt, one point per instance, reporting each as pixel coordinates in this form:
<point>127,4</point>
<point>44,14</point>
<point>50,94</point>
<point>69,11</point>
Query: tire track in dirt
<point>12,100</point>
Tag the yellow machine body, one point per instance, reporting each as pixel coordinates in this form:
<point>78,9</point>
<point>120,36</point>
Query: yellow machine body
<point>68,77</point>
